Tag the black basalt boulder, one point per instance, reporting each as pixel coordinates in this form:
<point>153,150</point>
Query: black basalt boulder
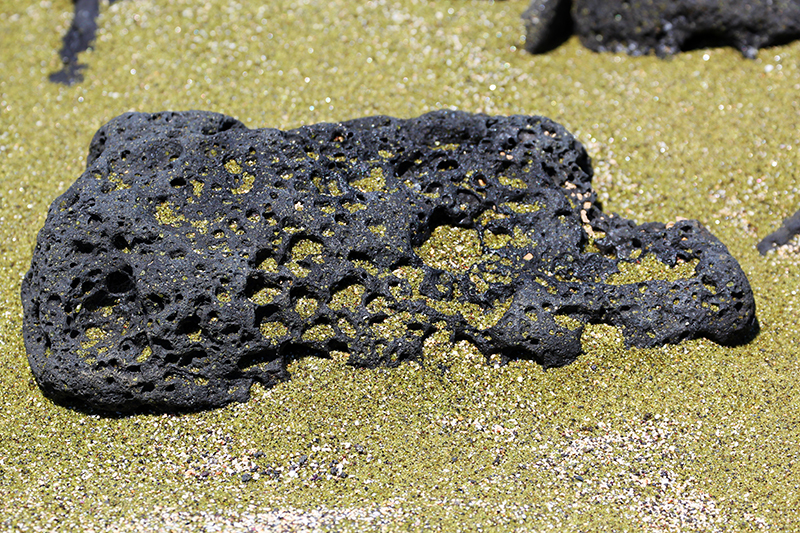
<point>195,256</point>
<point>662,26</point>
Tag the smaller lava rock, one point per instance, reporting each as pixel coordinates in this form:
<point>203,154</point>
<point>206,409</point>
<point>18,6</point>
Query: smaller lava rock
<point>662,26</point>
<point>548,24</point>
<point>78,38</point>
<point>789,228</point>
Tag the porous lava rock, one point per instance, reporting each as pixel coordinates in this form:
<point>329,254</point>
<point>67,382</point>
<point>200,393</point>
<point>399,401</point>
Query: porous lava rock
<point>195,256</point>
<point>662,26</point>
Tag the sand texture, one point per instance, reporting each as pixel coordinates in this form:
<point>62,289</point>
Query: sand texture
<point>688,437</point>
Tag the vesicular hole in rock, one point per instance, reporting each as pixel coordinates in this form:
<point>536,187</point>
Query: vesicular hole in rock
<point>119,281</point>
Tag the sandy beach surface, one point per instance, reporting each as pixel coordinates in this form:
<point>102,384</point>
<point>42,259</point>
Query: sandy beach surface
<point>691,437</point>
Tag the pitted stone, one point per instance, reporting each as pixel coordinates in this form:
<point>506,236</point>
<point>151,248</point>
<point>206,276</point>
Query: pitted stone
<point>195,256</point>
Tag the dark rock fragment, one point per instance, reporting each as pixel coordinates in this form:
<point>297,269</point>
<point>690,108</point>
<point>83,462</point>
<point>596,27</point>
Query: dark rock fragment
<point>663,26</point>
<point>195,256</point>
<point>781,236</point>
<point>548,24</point>
<point>78,38</point>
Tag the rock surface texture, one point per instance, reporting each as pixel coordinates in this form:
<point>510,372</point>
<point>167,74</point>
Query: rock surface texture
<point>195,256</point>
<point>663,26</point>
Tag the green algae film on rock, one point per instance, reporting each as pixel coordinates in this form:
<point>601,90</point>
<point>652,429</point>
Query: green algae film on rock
<point>195,256</point>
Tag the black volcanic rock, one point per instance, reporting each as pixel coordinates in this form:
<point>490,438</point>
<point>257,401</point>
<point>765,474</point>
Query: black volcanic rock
<point>78,38</point>
<point>195,256</point>
<point>548,24</point>
<point>789,228</point>
<point>663,26</point>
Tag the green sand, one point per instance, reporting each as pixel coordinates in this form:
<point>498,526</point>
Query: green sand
<point>689,437</point>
